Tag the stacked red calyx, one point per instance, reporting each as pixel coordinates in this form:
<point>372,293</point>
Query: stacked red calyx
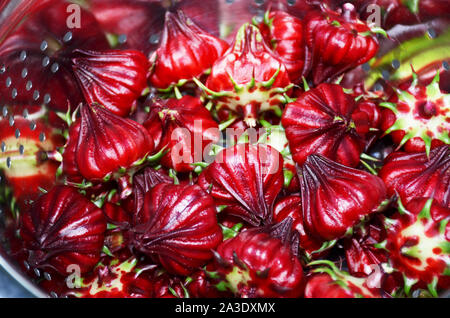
<point>336,197</point>
<point>416,175</point>
<point>183,128</point>
<point>256,264</point>
<point>102,144</point>
<point>177,149</point>
<point>291,207</point>
<point>186,52</point>
<point>177,227</point>
<point>63,228</point>
<point>326,121</point>
<point>249,79</point>
<point>112,78</point>
<point>337,41</point>
<point>245,180</point>
<point>285,35</point>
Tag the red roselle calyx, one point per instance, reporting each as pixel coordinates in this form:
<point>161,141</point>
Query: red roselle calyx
<point>177,227</point>
<point>113,278</point>
<point>63,228</point>
<point>416,175</point>
<point>249,78</point>
<point>245,180</point>
<point>326,121</point>
<point>337,42</point>
<point>183,127</point>
<point>102,145</point>
<point>28,156</point>
<point>143,182</point>
<point>112,78</point>
<point>364,251</point>
<point>185,52</point>
<point>418,117</point>
<point>419,244</point>
<point>256,264</point>
<point>284,34</point>
<point>291,207</point>
<point>336,197</point>
<point>331,282</point>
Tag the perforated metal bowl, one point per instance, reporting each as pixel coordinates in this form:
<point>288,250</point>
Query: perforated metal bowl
<point>220,17</point>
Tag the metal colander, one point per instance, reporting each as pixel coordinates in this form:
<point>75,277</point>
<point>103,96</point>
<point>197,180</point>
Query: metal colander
<point>219,17</point>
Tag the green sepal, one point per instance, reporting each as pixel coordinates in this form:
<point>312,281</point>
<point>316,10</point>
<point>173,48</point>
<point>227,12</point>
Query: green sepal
<point>391,106</point>
<point>381,245</point>
<point>106,251</point>
<point>411,251</point>
<point>408,284</point>
<point>425,213</point>
<point>269,83</point>
<point>220,208</point>
<point>288,176</point>
<point>401,208</point>
<point>412,5</point>
<point>210,92</point>
<point>305,84</point>
<point>157,157</point>
<point>229,233</point>
<point>325,246</point>
<point>432,287</point>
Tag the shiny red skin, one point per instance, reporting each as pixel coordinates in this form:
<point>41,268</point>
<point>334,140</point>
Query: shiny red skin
<point>184,127</point>
<point>115,239</point>
<point>427,10</point>
<point>336,49</point>
<point>260,252</point>
<point>323,286</point>
<point>140,20</point>
<point>48,23</point>
<point>177,227</point>
<point>291,206</point>
<point>373,111</point>
<point>112,78</point>
<point>63,228</point>
<point>360,251</point>
<point>100,143</point>
<point>370,107</point>
<point>326,121</point>
<point>249,60</point>
<point>413,175</point>
<point>143,182</point>
<point>433,267</point>
<point>185,52</point>
<point>336,197</point>
<point>247,179</point>
<point>284,34</point>
<point>166,285</point>
<point>201,286</point>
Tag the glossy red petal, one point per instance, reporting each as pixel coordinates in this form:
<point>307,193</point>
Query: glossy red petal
<point>63,228</point>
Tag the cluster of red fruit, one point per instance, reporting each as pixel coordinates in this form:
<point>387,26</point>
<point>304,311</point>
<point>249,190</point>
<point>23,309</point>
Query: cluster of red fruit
<point>93,181</point>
